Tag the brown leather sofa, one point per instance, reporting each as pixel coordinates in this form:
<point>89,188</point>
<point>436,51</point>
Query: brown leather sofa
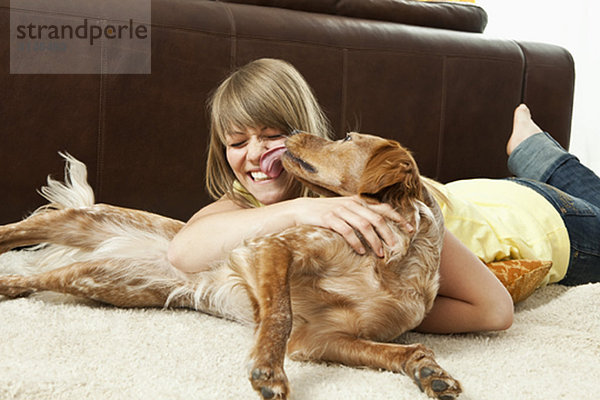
<point>422,73</point>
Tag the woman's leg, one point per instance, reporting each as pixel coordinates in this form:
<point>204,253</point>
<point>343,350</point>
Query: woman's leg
<point>542,164</point>
<point>534,154</point>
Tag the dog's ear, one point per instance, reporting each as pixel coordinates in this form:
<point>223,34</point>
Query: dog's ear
<point>391,175</point>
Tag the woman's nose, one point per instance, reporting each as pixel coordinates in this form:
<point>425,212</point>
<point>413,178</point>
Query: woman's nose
<point>255,149</point>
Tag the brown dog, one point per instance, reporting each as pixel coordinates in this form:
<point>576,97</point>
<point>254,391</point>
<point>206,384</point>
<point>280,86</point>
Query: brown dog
<point>308,293</point>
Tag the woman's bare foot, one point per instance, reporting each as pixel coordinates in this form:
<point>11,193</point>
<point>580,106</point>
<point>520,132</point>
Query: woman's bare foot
<point>523,127</point>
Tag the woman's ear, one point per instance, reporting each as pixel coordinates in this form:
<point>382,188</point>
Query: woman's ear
<point>391,171</point>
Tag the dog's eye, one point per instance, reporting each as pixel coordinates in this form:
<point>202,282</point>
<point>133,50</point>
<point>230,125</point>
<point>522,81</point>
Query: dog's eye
<point>347,138</point>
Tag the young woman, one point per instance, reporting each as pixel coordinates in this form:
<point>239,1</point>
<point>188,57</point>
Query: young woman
<point>251,113</point>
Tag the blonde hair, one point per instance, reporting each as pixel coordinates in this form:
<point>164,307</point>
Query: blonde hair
<point>266,92</point>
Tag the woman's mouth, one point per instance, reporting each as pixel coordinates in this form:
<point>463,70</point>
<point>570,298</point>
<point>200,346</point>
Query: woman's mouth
<point>259,176</point>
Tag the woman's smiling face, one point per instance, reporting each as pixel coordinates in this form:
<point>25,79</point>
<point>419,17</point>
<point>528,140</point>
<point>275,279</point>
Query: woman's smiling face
<point>244,148</point>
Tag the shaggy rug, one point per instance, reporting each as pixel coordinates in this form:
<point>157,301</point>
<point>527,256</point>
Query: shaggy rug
<point>59,347</point>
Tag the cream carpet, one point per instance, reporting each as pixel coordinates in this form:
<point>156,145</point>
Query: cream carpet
<point>59,347</point>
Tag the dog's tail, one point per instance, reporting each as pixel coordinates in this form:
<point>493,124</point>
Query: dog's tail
<point>75,192</point>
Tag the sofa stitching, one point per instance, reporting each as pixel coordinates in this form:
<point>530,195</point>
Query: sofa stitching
<point>344,100</point>
<point>101,126</point>
<point>441,130</point>
<point>232,35</point>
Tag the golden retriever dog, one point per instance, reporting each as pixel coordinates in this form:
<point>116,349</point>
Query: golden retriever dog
<point>306,291</point>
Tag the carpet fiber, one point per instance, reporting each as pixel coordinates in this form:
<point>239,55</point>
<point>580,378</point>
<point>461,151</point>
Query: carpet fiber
<point>60,347</point>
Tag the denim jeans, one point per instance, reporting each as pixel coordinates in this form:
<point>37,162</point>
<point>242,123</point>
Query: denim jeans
<point>540,163</point>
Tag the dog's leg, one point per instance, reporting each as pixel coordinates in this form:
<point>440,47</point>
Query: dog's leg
<point>83,227</point>
<point>32,230</point>
<point>415,360</point>
<point>273,314</point>
<point>103,280</point>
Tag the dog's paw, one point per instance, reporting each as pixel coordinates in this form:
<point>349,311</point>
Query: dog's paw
<point>431,378</point>
<point>269,382</point>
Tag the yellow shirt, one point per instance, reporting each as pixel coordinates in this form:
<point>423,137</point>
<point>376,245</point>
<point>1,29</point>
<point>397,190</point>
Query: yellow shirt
<point>499,219</point>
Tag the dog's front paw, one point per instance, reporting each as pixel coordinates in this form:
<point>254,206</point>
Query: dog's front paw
<point>269,382</point>
<point>431,378</point>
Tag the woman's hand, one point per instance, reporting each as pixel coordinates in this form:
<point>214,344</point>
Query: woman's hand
<point>348,215</point>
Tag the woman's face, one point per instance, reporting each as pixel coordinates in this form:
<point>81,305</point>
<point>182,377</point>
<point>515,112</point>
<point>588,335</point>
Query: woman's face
<point>244,147</point>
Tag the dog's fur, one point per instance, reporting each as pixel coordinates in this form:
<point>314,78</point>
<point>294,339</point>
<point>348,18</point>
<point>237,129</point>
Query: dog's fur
<point>305,289</point>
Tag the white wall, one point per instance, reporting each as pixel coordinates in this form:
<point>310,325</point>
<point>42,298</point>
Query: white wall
<point>571,24</point>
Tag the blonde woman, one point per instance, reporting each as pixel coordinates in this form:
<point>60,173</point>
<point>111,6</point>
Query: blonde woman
<point>251,113</point>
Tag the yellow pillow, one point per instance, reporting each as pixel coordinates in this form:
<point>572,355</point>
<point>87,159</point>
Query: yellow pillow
<point>520,277</point>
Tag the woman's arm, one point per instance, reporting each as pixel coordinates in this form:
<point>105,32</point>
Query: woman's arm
<point>470,298</point>
<point>220,227</point>
<point>223,225</point>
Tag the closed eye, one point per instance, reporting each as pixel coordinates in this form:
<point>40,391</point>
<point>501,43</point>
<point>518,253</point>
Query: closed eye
<point>237,144</point>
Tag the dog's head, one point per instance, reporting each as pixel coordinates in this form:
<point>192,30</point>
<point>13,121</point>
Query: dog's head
<point>370,166</point>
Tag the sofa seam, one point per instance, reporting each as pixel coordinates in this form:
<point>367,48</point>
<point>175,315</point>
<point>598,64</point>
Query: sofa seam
<point>232,35</point>
<point>523,71</point>
<point>100,133</point>
<point>383,50</point>
<point>442,135</point>
<point>344,102</point>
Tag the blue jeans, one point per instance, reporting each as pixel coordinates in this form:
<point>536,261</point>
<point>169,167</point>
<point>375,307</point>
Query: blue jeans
<point>540,163</point>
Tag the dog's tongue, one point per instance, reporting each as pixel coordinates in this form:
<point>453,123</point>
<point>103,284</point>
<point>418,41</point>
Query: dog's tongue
<point>270,161</point>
